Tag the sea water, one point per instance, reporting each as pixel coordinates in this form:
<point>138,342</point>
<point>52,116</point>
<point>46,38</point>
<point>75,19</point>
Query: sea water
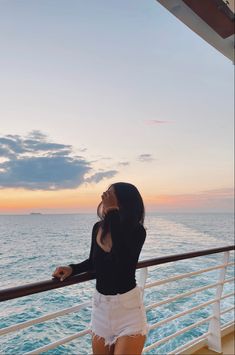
<point>31,246</point>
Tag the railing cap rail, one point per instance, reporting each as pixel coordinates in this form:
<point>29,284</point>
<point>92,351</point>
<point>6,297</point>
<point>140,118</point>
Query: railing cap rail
<point>46,285</point>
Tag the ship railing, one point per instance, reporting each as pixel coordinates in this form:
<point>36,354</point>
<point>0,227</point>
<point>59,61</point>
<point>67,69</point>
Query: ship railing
<point>211,338</point>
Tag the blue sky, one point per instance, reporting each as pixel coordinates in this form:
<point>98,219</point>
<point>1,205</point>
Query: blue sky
<point>135,93</point>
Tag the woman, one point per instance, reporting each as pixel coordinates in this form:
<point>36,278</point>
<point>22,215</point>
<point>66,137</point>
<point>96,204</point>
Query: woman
<point>118,319</point>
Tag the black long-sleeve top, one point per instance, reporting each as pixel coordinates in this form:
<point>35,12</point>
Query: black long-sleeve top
<point>115,270</point>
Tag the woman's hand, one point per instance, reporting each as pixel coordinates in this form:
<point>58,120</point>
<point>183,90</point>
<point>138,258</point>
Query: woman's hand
<point>109,200</point>
<point>62,272</point>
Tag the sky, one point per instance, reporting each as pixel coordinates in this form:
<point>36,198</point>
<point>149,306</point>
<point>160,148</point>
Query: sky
<point>96,92</point>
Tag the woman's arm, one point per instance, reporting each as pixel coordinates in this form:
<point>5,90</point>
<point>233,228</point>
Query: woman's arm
<point>87,264</point>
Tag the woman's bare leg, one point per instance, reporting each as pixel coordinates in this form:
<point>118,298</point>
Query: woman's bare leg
<point>127,344</point>
<point>99,348</point>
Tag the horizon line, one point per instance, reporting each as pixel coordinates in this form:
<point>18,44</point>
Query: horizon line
<point>150,212</point>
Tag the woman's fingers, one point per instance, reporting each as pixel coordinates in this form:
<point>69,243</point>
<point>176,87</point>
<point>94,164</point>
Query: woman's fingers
<point>109,199</point>
<point>55,272</point>
<point>59,273</point>
<point>62,272</point>
<point>107,195</point>
<point>63,277</point>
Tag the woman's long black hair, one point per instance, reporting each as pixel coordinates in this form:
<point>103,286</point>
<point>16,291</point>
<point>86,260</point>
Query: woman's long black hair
<point>131,207</point>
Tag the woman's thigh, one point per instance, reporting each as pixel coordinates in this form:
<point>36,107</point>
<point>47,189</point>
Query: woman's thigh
<point>99,348</point>
<point>129,344</point>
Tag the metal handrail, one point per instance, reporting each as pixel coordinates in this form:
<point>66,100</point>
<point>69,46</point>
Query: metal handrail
<point>36,287</point>
<point>53,315</point>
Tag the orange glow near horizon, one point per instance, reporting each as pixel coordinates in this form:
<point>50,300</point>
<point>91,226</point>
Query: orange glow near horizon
<point>84,200</point>
<point>17,200</point>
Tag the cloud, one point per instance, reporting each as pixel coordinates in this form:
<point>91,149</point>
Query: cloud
<point>145,157</point>
<point>156,122</point>
<point>4,152</point>
<point>124,163</point>
<point>226,192</point>
<point>37,135</point>
<point>10,147</point>
<point>34,143</point>
<point>101,175</point>
<point>35,163</point>
<point>101,157</point>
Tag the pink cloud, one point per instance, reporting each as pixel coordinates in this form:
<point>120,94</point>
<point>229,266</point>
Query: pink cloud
<point>215,200</point>
<point>155,122</point>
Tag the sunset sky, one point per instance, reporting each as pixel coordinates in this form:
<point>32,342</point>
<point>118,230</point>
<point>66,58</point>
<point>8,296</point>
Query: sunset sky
<point>96,92</point>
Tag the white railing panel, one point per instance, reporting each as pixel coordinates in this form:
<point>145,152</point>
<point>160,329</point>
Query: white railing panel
<point>41,319</point>
<point>188,274</point>
<point>229,280</point>
<point>214,338</point>
<point>182,295</point>
<point>183,330</point>
<point>180,349</point>
<point>57,343</point>
<point>226,310</point>
<point>227,295</point>
<point>161,322</point>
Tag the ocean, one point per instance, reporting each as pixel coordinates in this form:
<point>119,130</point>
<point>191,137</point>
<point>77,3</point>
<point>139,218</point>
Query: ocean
<point>31,246</point>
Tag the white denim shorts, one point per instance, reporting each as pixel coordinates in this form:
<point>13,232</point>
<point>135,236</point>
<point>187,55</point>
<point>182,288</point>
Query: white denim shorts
<point>115,315</point>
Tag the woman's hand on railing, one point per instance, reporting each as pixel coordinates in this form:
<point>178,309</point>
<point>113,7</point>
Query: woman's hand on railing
<point>62,272</point>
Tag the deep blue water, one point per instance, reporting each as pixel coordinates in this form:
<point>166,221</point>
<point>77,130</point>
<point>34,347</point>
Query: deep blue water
<point>32,246</point>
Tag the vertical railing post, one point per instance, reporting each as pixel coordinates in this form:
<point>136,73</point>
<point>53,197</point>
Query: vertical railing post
<point>142,279</point>
<point>214,338</point>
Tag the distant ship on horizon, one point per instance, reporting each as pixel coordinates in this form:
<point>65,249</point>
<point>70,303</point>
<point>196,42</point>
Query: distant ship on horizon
<point>35,213</point>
